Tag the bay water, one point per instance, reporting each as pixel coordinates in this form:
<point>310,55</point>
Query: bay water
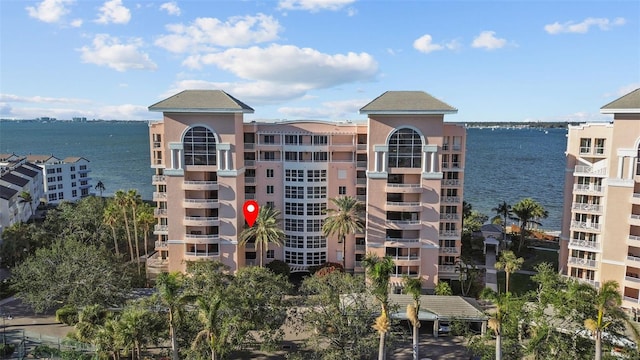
<point>502,164</point>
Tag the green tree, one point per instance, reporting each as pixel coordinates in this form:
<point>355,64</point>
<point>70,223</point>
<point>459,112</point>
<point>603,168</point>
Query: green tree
<point>345,219</point>
<point>509,263</point>
<point>133,200</point>
<point>528,211</point>
<point>503,212</point>
<point>100,187</point>
<point>474,221</point>
<point>468,274</point>
<point>443,289</point>
<point>111,217</point>
<point>137,327</point>
<point>122,202</point>
<point>170,287</point>
<point>265,231</point>
<point>25,199</point>
<point>146,221</point>
<point>505,321</point>
<point>413,287</point>
<point>379,272</point>
<point>71,272</point>
<point>17,239</point>
<point>337,316</point>
<point>607,301</point>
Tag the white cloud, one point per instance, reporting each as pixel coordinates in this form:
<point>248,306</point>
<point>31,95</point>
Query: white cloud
<point>328,110</point>
<point>584,26</point>
<point>108,51</point>
<point>488,40</point>
<point>425,44</point>
<point>316,5</point>
<point>49,11</point>
<point>171,8</point>
<point>40,99</point>
<point>113,11</point>
<point>287,64</point>
<point>624,90</point>
<point>206,33</point>
<point>76,23</point>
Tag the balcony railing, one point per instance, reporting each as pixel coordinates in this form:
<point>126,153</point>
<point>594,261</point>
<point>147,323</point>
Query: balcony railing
<point>249,146</point>
<point>202,236</point>
<point>393,185</point>
<point>587,188</point>
<point>633,258</point>
<point>449,233</point>
<point>587,207</point>
<point>406,257</point>
<point>446,269</point>
<point>249,180</point>
<point>361,163</point>
<point>161,244</point>
<point>361,181</point>
<point>158,179</point>
<point>583,262</point>
<point>585,169</point>
<point>400,203</point>
<point>403,240</point>
<point>249,163</point>
<point>450,182</point>
<point>161,228</point>
<point>361,146</point>
<point>448,250</point>
<point>585,244</point>
<point>403,222</point>
<point>159,195</point>
<point>160,212</point>
<point>360,247</point>
<point>449,216</point>
<point>361,198</point>
<point>585,225</point>
<point>450,199</point>
<point>632,277</point>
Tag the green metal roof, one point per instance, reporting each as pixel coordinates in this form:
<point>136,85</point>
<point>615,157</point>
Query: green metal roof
<point>201,101</point>
<point>407,102</point>
<point>629,103</point>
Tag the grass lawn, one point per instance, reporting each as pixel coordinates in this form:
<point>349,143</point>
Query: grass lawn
<point>539,256</point>
<point>520,283</point>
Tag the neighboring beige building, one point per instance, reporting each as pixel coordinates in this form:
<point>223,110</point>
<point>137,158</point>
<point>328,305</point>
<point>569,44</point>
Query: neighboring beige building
<point>600,237</point>
<point>404,163</point>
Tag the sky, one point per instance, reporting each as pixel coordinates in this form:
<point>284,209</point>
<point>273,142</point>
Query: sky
<point>318,59</point>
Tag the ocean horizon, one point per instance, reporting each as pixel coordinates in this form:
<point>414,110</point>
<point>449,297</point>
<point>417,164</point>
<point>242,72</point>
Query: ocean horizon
<point>503,163</point>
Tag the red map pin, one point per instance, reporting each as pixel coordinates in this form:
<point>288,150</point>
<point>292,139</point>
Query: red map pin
<point>250,210</point>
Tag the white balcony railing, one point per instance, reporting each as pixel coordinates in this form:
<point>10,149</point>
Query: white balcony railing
<point>393,185</point>
<point>593,208</point>
<point>448,250</point>
<point>450,199</point>
<point>585,244</point>
<point>403,240</point>
<point>401,203</point>
<point>449,233</point>
<point>583,262</point>
<point>161,228</point>
<point>160,212</point>
<point>585,169</point>
<point>403,222</point>
<point>450,182</point>
<point>159,179</point>
<point>585,225</point>
<point>588,188</point>
<point>449,216</point>
<point>202,236</point>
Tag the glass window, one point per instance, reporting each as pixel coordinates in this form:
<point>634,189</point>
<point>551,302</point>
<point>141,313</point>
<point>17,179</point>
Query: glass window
<point>342,190</point>
<point>269,173</point>
<point>405,149</point>
<point>199,146</point>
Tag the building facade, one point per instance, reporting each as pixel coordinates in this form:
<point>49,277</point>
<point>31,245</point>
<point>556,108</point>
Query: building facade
<point>404,163</point>
<point>17,177</point>
<point>66,179</point>
<point>600,238</point>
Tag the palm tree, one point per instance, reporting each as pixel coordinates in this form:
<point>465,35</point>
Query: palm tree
<point>607,304</point>
<point>25,198</point>
<point>503,211</point>
<point>467,209</point>
<point>413,286</point>
<point>146,221</point>
<point>266,230</point>
<point>510,264</point>
<point>501,302</point>
<point>122,202</point>
<point>527,211</point>
<point>100,187</point>
<point>110,218</point>
<point>133,200</point>
<point>379,272</point>
<point>346,219</point>
<point>169,287</point>
<point>208,316</point>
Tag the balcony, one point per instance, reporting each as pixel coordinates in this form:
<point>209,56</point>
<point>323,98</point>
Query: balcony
<point>587,208</point>
<point>361,147</point>
<point>633,279</point>
<point>250,196</point>
<point>361,181</point>
<point>189,255</point>
<point>249,180</point>
<point>451,183</point>
<point>161,230</point>
<point>580,225</point>
<point>405,257</point>
<point>450,199</point>
<point>634,219</point>
<point>200,185</point>
<point>201,221</point>
<point>403,240</point>
<point>159,196</point>
<point>633,261</point>
<point>161,245</point>
<point>250,163</point>
<point>633,240</point>
<point>404,188</point>
<point>449,250</point>
<point>156,265</point>
<point>584,170</point>
<point>159,180</point>
<point>587,189</point>
<point>449,234</point>
<point>403,206</point>
<point>449,216</point>
<point>447,269</point>
<point>635,199</point>
<point>584,244</point>
<point>360,247</point>
<point>160,212</point>
<point>404,224</point>
<point>361,164</point>
<point>201,203</point>
<point>201,237</point>
<point>582,262</point>
<point>249,146</point>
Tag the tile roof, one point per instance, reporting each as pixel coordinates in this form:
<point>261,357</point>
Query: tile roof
<point>7,193</point>
<point>445,307</point>
<point>216,101</point>
<point>627,103</point>
<point>407,102</point>
<point>14,179</point>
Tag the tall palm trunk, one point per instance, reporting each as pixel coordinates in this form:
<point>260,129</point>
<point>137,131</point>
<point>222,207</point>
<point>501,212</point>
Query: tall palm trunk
<point>416,344</point>
<point>381,352</point>
<point>498,346</point>
<point>126,226</point>
<point>135,233</point>
<point>344,253</point>
<point>115,240</point>
<point>598,336</point>
<point>172,335</point>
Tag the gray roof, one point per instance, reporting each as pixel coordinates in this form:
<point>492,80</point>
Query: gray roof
<point>26,171</point>
<point>14,179</point>
<point>32,166</point>
<point>444,307</point>
<point>629,103</point>
<point>407,102</point>
<point>216,101</point>
<point>7,193</point>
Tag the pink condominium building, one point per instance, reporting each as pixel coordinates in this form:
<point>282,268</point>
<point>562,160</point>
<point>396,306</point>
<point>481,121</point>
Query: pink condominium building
<point>403,162</point>
<point>601,219</point>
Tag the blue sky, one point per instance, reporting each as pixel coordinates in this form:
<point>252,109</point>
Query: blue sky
<point>318,59</point>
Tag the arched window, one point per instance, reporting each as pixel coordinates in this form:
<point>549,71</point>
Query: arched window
<point>199,146</point>
<point>405,149</point>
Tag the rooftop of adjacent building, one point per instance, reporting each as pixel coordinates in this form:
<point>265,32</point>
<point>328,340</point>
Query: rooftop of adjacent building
<point>629,103</point>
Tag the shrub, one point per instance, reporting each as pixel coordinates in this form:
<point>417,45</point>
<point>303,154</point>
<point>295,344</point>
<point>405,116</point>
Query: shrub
<point>326,268</point>
<point>6,349</point>
<point>67,315</point>
<point>44,351</point>
<point>279,267</point>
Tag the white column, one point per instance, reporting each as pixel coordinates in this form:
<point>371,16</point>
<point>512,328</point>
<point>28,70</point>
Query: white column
<point>632,166</point>
<point>179,154</point>
<point>375,163</point>
<point>620,166</point>
<point>384,161</point>
<point>173,158</point>
<point>228,159</point>
<point>433,162</point>
<point>424,161</point>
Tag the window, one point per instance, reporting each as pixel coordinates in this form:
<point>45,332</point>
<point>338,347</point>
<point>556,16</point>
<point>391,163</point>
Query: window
<point>73,176</point>
<point>320,140</point>
<point>269,155</point>
<point>53,197</point>
<point>270,204</point>
<point>294,192</point>
<point>316,258</point>
<point>294,225</point>
<point>599,146</point>
<point>51,179</point>
<point>83,167</point>
<point>585,145</point>
<point>316,209</point>
<point>316,242</point>
<point>342,190</point>
<point>51,171</point>
<point>294,258</point>
<point>294,209</point>
<point>74,193</point>
<point>268,139</point>
<point>314,225</point>
<point>199,146</point>
<point>271,254</point>
<point>292,139</point>
<point>291,156</point>
<point>294,241</point>
<point>269,173</point>
<point>60,196</point>
<point>294,175</point>
<point>51,187</point>
<point>269,189</point>
<point>405,149</point>
<point>316,192</point>
<point>58,170</point>
<point>73,184</point>
<point>316,175</point>
<point>73,168</point>
<point>60,178</point>
<point>60,186</point>
<point>320,156</point>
